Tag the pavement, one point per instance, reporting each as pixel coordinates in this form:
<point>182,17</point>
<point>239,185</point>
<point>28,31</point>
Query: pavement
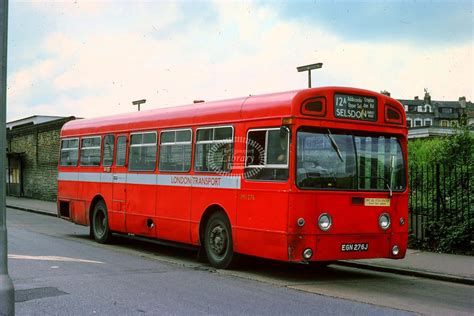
<point>439,266</point>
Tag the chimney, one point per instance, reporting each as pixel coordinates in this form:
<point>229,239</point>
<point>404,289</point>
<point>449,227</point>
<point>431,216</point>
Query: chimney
<point>427,97</point>
<point>462,102</point>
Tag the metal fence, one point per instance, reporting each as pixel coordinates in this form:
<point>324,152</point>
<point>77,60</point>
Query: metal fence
<point>441,194</point>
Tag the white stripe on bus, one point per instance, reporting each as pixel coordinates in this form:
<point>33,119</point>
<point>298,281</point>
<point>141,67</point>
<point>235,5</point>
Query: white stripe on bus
<point>137,178</point>
<point>88,177</point>
<point>106,177</point>
<point>224,182</point>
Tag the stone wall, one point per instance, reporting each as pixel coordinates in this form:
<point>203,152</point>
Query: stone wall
<point>39,149</point>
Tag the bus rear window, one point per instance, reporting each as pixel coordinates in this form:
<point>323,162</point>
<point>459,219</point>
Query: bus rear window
<point>69,152</point>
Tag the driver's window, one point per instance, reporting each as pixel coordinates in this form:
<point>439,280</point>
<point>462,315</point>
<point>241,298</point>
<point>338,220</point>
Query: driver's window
<point>325,160</point>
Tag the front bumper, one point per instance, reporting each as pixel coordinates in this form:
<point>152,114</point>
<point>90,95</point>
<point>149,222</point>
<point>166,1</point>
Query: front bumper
<point>328,247</point>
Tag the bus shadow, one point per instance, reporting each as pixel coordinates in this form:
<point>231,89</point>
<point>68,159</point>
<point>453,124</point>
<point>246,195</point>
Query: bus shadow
<point>303,273</point>
<point>246,265</point>
<point>148,246</point>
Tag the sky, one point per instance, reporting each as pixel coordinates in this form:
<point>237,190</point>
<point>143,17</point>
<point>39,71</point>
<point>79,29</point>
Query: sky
<point>93,58</point>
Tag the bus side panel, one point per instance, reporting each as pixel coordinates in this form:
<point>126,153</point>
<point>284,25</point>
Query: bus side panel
<point>67,190</point>
<point>202,198</point>
<point>87,192</point>
<point>116,219</point>
<point>173,207</point>
<point>78,213</point>
<point>106,193</point>
<point>140,207</point>
<point>262,221</point>
<point>399,231</point>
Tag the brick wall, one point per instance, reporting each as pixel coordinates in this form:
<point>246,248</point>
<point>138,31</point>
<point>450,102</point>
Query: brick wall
<point>39,145</point>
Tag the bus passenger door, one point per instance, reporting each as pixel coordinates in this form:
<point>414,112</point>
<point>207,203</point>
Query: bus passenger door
<point>119,183</point>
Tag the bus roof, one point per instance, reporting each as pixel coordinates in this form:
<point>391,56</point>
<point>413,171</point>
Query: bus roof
<point>273,105</point>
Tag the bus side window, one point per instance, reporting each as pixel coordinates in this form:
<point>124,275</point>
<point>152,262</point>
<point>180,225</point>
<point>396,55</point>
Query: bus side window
<point>142,155</point>
<point>267,155</point>
<point>214,149</point>
<point>108,151</point>
<point>121,151</point>
<point>90,151</point>
<point>69,152</point>
<point>175,150</point>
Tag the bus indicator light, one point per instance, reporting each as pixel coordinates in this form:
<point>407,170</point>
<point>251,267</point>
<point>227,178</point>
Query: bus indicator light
<point>307,253</point>
<point>300,222</point>
<point>395,250</point>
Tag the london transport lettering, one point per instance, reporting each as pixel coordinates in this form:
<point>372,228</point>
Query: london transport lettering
<point>214,181</point>
<point>355,107</point>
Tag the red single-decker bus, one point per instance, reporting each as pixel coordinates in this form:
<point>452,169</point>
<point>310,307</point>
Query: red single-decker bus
<point>301,176</point>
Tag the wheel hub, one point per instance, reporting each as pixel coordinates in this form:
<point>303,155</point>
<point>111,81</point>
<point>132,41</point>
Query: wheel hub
<point>100,224</point>
<point>218,240</point>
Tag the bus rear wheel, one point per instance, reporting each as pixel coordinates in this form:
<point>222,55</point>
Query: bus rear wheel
<point>218,242</point>
<point>100,223</point>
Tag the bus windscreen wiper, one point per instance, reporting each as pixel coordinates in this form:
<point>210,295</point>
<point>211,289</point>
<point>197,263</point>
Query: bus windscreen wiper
<point>385,181</point>
<point>334,145</point>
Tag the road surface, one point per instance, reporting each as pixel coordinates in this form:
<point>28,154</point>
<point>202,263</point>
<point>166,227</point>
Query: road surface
<point>58,270</point>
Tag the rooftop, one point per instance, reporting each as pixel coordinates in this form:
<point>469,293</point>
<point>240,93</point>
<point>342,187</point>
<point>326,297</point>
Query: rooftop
<point>32,120</point>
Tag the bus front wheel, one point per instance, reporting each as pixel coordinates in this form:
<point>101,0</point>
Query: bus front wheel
<point>100,223</point>
<point>218,242</point>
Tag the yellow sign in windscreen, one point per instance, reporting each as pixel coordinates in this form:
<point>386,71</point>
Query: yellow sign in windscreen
<point>376,202</point>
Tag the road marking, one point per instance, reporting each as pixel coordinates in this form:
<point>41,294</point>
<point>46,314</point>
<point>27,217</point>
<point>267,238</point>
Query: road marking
<point>51,258</point>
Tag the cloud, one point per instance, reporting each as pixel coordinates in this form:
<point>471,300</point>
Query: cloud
<point>247,49</point>
<point>71,7</point>
<point>24,79</point>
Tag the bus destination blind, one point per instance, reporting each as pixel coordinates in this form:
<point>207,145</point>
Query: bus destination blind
<point>355,107</point>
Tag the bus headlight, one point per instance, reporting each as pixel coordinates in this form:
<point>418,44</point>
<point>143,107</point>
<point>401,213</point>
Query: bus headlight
<point>384,221</point>
<point>324,222</point>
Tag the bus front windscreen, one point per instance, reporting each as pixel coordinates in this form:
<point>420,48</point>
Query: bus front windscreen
<point>343,161</point>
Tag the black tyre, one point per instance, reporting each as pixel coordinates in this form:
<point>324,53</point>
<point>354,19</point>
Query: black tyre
<point>100,223</point>
<point>218,242</point>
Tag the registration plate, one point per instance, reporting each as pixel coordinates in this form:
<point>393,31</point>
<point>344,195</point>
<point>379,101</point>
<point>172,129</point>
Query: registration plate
<point>354,247</point>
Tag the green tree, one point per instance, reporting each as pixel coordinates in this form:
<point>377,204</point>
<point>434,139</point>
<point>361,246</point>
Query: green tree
<point>447,189</point>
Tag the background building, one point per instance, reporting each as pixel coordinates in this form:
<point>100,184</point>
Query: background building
<point>426,117</point>
<point>32,151</point>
